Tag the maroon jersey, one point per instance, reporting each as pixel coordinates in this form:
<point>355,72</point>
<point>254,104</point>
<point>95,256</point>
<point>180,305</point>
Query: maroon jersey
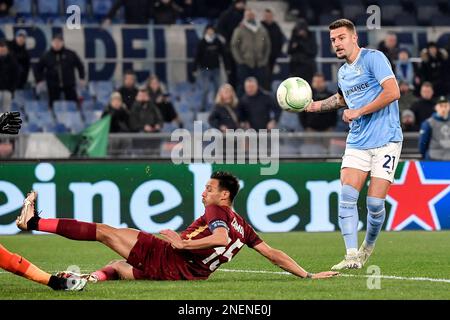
<point>202,262</point>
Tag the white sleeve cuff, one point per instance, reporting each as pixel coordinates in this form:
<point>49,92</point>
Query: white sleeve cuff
<point>388,77</point>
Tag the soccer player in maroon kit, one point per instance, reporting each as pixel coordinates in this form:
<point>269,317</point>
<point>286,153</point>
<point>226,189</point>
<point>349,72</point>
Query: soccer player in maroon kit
<point>209,241</point>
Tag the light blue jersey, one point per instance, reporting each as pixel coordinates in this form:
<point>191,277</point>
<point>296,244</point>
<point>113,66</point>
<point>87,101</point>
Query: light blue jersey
<point>360,83</point>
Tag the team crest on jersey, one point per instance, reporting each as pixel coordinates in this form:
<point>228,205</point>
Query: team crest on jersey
<point>236,226</point>
<point>358,70</point>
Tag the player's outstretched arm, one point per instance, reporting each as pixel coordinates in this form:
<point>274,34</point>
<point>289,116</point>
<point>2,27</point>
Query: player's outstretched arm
<point>285,262</point>
<point>334,102</point>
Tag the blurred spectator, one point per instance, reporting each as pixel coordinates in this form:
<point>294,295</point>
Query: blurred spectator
<point>407,97</point>
<point>319,121</point>
<point>188,8</point>
<point>5,5</point>
<point>277,39</point>
<point>389,46</point>
<point>128,90</point>
<point>224,115</point>
<point>228,21</point>
<point>167,12</point>
<point>119,114</point>
<point>18,50</point>
<point>424,107</point>
<point>144,115</point>
<point>434,143</point>
<point>257,109</point>
<point>433,67</point>
<point>136,11</point>
<point>57,66</point>
<point>207,64</point>
<point>302,50</point>
<point>408,121</point>
<point>161,99</point>
<point>211,8</point>
<point>9,72</point>
<point>250,46</point>
<point>404,69</point>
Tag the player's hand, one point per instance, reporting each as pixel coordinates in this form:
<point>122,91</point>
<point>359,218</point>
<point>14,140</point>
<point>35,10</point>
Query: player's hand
<point>325,274</point>
<point>349,115</point>
<point>314,106</point>
<point>10,122</point>
<point>271,124</point>
<point>173,238</point>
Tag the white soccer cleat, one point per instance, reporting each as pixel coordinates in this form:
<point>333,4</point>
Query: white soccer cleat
<point>75,284</point>
<point>364,252</point>
<point>70,274</point>
<point>28,211</point>
<point>349,262</point>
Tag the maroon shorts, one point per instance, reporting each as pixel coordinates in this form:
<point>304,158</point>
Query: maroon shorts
<point>155,259</point>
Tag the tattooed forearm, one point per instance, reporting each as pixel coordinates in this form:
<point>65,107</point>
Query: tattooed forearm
<point>332,103</point>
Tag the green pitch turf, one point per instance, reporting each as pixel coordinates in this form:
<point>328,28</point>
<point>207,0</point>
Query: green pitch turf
<point>406,255</point>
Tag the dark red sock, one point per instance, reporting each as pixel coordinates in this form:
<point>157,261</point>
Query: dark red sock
<point>69,228</point>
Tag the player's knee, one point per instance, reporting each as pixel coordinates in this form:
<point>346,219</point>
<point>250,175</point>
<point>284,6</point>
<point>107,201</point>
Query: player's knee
<point>114,262</point>
<point>375,206</point>
<point>104,233</point>
<point>349,195</point>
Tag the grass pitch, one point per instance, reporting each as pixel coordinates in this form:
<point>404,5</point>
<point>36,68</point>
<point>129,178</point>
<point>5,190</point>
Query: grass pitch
<point>414,258</point>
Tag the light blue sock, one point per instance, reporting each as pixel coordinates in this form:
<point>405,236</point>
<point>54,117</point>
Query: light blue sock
<point>348,216</point>
<point>376,214</point>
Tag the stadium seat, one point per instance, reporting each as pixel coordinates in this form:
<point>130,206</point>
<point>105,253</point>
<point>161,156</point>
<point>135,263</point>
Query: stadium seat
<point>182,106</point>
<point>56,128</point>
<point>101,91</point>
<point>23,95</point>
<point>91,116</point>
<point>23,8</point>
<point>440,20</point>
<point>64,106</point>
<point>326,18</point>
<point>384,3</point>
<point>82,4</point>
<point>36,106</point>
<point>7,20</point>
<point>350,11</point>
<point>425,12</point>
<point>30,127</point>
<point>361,19</point>
<point>188,119</point>
<point>40,118</point>
<point>48,8</point>
<point>203,117</point>
<point>405,19</point>
<point>389,12</point>
<point>91,105</point>
<point>289,122</point>
<point>71,120</point>
<point>15,106</point>
<point>100,8</point>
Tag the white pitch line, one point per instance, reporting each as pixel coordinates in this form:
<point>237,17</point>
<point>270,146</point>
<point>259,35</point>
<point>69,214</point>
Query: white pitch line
<point>341,275</point>
<point>345,275</point>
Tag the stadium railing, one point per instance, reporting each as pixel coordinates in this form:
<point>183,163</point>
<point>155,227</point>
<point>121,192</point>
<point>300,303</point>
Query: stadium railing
<point>288,145</point>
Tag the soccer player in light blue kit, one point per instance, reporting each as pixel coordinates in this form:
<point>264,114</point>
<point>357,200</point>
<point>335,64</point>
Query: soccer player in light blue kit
<point>369,90</point>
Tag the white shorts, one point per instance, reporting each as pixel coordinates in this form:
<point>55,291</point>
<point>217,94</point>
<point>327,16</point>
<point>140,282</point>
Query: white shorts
<point>381,162</point>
